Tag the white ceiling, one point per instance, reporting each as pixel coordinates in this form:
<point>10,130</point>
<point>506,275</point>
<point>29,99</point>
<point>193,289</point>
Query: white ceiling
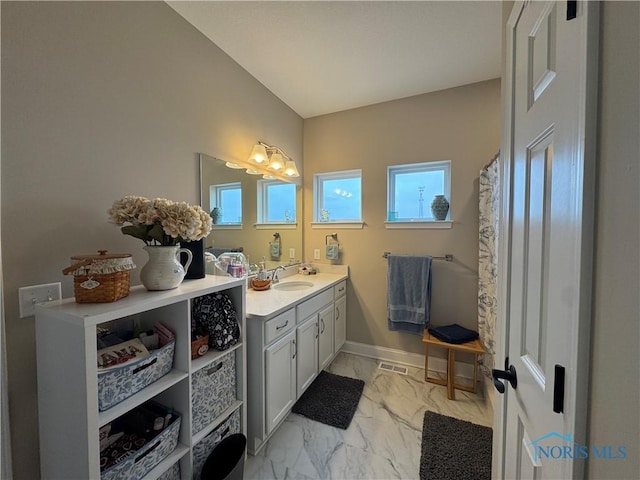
<point>326,56</point>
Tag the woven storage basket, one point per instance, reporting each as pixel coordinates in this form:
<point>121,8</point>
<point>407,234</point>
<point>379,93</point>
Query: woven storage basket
<point>101,278</point>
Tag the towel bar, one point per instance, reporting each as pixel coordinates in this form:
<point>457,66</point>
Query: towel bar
<point>447,258</point>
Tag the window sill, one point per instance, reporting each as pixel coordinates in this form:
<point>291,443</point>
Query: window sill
<point>280,226</point>
<point>424,224</point>
<point>227,226</point>
<point>335,225</point>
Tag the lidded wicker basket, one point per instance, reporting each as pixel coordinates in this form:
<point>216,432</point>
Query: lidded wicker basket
<point>101,278</point>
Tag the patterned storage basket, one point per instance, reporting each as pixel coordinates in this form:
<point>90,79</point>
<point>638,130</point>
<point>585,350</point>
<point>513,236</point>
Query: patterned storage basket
<point>142,461</point>
<point>204,447</point>
<point>100,278</point>
<point>119,383</point>
<point>172,474</point>
<point>219,377</point>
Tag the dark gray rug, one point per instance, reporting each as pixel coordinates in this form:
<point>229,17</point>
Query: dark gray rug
<point>453,449</point>
<point>331,399</point>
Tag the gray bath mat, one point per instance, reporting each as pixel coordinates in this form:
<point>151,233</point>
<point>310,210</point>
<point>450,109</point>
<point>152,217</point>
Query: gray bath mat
<point>453,449</point>
<point>331,399</point>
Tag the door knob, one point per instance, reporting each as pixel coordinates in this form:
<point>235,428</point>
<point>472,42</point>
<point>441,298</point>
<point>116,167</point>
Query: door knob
<point>508,374</point>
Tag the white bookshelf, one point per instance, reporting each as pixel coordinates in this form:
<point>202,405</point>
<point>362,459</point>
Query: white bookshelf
<point>69,419</point>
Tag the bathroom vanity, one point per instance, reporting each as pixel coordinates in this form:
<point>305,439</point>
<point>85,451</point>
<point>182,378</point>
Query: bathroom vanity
<point>294,330</point>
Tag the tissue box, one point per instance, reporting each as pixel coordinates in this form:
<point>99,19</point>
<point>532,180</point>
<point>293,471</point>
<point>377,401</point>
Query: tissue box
<point>199,346</point>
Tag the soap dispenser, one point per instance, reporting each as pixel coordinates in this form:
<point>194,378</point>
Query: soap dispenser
<point>262,273</point>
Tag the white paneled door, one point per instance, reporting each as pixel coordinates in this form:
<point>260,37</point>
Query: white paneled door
<point>552,47</point>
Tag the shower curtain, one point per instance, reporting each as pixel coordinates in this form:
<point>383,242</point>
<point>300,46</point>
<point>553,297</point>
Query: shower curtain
<point>487,260</point>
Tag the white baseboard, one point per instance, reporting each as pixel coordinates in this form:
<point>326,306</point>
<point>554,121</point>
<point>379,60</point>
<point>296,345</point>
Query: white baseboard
<point>439,365</point>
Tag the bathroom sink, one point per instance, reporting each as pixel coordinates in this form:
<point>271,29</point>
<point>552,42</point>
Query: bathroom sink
<point>291,286</point>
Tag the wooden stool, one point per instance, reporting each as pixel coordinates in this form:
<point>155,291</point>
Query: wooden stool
<point>474,347</point>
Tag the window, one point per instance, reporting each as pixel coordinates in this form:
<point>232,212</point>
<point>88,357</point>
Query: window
<point>276,202</point>
<point>337,197</point>
<point>411,189</point>
<point>227,198</point>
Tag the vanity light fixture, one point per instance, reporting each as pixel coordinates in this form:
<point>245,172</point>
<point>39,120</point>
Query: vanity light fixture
<point>269,161</point>
<point>290,169</point>
<point>276,162</point>
<point>235,166</point>
<point>259,154</point>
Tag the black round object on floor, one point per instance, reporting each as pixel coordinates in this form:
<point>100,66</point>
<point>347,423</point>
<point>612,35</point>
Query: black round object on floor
<point>226,462</point>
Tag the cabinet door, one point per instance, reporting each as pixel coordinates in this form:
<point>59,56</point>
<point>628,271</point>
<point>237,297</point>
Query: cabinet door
<point>307,359</point>
<point>280,379</point>
<point>325,343</point>
<point>340,323</point>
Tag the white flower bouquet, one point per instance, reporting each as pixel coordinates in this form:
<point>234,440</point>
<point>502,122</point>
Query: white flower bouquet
<point>160,221</point>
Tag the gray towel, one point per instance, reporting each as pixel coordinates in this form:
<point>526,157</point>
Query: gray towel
<point>408,293</point>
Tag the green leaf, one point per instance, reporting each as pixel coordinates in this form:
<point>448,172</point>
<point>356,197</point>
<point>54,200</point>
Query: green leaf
<point>135,231</point>
<point>157,233</point>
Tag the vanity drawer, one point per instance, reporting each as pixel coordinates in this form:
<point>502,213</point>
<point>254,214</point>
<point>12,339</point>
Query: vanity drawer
<point>278,326</point>
<point>314,304</point>
<point>340,290</point>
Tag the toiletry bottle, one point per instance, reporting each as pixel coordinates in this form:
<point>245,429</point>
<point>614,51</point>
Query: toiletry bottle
<point>262,273</point>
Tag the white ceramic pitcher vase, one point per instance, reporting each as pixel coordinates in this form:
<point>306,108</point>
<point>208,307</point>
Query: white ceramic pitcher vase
<point>164,271</point>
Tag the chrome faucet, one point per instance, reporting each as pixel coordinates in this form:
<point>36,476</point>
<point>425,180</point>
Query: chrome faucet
<point>274,278</point>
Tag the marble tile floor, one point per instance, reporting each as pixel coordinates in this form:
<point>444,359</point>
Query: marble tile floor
<point>384,438</point>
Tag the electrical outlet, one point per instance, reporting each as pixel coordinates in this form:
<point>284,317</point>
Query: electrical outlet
<point>30,296</point>
<point>316,254</point>
<point>292,253</point>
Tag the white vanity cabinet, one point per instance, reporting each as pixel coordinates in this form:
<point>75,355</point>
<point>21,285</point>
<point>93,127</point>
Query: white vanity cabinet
<point>307,353</point>
<point>325,339</point>
<point>280,379</point>
<point>271,359</point>
<point>286,352</point>
<point>340,315</point>
<point>69,416</point>
<point>320,308</point>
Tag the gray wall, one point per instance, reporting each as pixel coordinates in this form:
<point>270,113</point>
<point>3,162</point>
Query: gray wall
<point>102,100</point>
<point>615,374</point>
<point>460,124</point>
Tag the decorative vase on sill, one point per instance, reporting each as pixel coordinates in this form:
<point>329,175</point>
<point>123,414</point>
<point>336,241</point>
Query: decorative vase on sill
<point>215,215</point>
<point>440,207</point>
<point>164,271</point>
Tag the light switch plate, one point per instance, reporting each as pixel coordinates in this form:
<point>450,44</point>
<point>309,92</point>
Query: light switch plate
<point>292,252</point>
<point>30,296</point>
<point>316,254</point>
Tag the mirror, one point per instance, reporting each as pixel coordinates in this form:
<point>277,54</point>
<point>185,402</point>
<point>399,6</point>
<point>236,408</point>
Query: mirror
<point>254,239</point>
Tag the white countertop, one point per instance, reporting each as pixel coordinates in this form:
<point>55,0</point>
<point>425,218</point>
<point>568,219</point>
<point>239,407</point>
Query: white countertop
<point>268,303</point>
